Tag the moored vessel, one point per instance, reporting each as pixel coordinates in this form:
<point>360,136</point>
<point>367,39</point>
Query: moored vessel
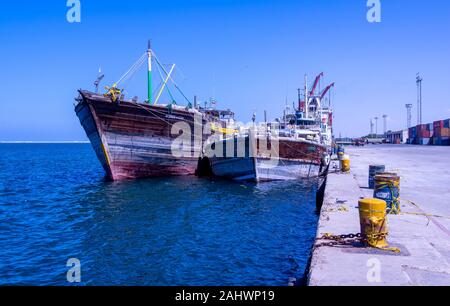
<point>295,146</point>
<point>144,139</point>
<point>267,158</point>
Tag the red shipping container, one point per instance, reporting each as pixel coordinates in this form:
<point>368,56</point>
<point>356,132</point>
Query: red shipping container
<point>422,127</point>
<point>438,124</point>
<point>424,134</point>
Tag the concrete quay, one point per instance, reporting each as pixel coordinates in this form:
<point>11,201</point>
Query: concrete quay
<point>421,232</point>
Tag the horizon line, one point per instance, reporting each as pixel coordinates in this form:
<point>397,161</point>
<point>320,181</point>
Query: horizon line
<point>43,141</point>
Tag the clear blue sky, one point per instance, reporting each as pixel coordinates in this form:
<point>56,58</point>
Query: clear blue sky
<point>249,54</point>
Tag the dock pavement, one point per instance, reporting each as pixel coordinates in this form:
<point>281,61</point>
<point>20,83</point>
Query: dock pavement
<point>421,231</point>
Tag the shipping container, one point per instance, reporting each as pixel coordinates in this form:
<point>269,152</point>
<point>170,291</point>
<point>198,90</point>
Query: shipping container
<point>412,132</point>
<point>441,141</point>
<point>442,132</point>
<point>424,134</point>
<point>423,141</point>
<point>435,141</point>
<point>445,141</point>
<point>447,123</point>
<point>422,127</point>
<point>438,124</point>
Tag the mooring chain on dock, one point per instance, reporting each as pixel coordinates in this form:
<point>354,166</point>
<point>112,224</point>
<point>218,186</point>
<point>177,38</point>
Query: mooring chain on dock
<point>340,237</point>
<point>336,240</point>
<point>350,239</point>
<point>346,239</point>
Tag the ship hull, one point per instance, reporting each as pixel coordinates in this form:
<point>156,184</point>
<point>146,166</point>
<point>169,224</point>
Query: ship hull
<point>293,160</point>
<point>135,141</point>
<point>286,170</point>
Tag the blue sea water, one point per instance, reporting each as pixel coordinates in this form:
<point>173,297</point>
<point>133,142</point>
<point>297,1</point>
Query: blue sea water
<point>55,204</point>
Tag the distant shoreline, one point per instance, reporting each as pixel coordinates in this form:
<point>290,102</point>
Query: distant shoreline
<point>42,142</point>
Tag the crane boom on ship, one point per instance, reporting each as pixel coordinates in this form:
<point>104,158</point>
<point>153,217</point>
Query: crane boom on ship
<point>324,92</point>
<point>316,82</point>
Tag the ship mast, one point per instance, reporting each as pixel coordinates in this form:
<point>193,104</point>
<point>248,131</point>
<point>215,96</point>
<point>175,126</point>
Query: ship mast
<point>306,97</point>
<point>149,79</point>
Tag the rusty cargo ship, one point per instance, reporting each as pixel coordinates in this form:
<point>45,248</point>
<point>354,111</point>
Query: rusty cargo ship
<point>136,140</point>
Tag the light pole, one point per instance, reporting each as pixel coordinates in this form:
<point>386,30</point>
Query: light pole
<point>371,127</point>
<point>376,127</point>
<point>419,98</point>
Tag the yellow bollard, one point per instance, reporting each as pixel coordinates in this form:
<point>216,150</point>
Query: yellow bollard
<point>345,163</point>
<point>372,217</point>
